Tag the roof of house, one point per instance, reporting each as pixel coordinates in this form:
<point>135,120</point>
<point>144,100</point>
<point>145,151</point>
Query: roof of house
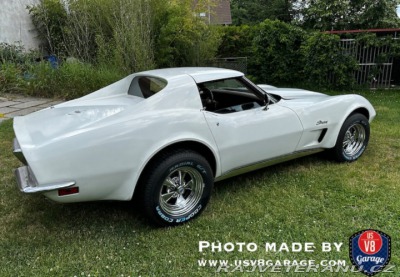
<point>222,13</point>
<point>217,13</point>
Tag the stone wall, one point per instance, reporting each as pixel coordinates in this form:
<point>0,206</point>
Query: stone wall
<point>16,25</point>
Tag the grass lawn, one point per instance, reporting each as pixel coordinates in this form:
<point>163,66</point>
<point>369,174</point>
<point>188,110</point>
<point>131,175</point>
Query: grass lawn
<point>306,200</point>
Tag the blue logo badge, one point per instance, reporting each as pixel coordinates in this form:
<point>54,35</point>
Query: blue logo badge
<point>370,251</point>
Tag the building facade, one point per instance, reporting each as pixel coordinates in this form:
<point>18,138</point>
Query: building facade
<point>219,13</point>
<point>16,26</point>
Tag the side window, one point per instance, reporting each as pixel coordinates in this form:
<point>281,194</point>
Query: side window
<point>228,96</point>
<point>146,86</point>
<point>227,84</point>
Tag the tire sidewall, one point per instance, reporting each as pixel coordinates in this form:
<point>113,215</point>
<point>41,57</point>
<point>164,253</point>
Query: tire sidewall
<point>162,172</point>
<point>355,119</point>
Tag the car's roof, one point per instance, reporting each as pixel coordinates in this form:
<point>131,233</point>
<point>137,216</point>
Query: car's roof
<point>199,74</point>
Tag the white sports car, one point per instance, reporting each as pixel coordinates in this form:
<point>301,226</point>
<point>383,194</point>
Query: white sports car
<point>166,135</point>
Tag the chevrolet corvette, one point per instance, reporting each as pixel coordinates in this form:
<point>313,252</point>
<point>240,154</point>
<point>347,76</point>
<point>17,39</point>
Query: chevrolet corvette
<point>167,135</point>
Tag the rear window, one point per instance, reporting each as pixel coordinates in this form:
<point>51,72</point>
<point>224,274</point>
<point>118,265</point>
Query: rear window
<point>146,86</point>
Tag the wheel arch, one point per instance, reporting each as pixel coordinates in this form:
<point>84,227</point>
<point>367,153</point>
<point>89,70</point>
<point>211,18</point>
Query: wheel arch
<point>335,131</point>
<point>360,141</point>
<point>362,111</point>
<point>196,146</point>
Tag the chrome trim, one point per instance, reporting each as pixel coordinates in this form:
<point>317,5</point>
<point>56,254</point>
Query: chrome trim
<point>354,140</point>
<point>18,151</point>
<point>181,191</point>
<point>27,183</point>
<point>265,163</point>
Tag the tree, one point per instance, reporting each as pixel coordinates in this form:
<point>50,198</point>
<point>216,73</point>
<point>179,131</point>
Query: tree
<point>256,11</point>
<point>183,39</point>
<point>375,14</point>
<point>277,56</point>
<point>49,17</point>
<point>129,35</point>
<point>325,63</point>
<point>348,14</point>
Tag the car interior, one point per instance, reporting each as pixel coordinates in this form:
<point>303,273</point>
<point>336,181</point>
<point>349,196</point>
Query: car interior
<point>228,96</point>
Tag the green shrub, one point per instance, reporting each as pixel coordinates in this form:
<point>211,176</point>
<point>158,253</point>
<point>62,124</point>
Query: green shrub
<point>285,55</point>
<point>326,64</point>
<point>80,79</point>
<point>49,18</point>
<point>272,49</point>
<point>236,41</point>
<point>277,55</point>
<point>11,77</point>
<point>183,39</point>
<point>11,53</point>
<point>133,35</point>
<point>70,80</point>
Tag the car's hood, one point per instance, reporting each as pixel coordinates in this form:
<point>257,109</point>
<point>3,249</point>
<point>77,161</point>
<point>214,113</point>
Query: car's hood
<point>297,99</point>
<point>291,93</point>
<point>67,119</point>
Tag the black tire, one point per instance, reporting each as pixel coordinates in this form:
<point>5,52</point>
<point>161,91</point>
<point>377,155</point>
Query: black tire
<point>352,139</point>
<point>176,187</point>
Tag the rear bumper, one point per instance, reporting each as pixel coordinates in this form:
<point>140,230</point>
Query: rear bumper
<point>18,152</point>
<point>26,180</point>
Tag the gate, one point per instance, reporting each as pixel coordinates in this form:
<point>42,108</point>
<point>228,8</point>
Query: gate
<point>375,67</point>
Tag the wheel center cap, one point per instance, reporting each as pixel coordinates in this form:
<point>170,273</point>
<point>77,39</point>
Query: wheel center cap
<point>181,190</point>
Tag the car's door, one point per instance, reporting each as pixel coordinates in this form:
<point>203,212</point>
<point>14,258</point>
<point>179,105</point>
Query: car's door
<point>251,136</point>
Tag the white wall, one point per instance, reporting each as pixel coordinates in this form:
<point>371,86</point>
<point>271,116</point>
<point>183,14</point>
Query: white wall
<point>16,25</point>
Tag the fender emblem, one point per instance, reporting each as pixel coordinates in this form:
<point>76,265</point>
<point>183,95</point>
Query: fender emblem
<point>320,122</point>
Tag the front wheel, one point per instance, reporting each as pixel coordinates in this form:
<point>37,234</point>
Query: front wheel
<point>177,187</point>
<point>353,139</point>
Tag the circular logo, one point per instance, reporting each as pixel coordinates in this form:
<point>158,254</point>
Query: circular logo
<point>370,242</point>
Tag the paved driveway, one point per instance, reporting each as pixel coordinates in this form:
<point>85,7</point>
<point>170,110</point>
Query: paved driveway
<point>12,105</point>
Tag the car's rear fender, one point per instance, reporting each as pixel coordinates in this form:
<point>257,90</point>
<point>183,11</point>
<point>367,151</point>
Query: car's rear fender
<point>110,165</point>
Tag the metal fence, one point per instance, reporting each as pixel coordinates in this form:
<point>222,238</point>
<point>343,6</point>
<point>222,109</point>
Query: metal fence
<point>235,63</point>
<point>375,66</point>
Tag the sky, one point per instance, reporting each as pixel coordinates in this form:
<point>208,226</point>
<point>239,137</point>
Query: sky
<point>398,10</point>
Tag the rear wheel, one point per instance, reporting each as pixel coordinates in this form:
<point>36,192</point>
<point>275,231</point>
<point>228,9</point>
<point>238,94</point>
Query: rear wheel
<point>177,187</point>
<point>353,139</point>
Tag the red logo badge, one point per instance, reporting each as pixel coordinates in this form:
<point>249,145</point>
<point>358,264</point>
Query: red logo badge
<point>370,242</point>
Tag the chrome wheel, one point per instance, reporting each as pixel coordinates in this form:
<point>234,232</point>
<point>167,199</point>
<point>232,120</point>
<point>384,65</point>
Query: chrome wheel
<point>354,139</point>
<point>181,191</point>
